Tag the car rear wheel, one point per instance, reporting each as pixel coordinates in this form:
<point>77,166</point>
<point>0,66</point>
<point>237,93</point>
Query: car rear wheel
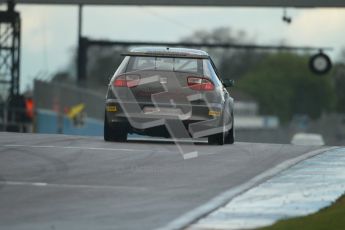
<point>218,138</point>
<point>230,137</point>
<point>114,131</point>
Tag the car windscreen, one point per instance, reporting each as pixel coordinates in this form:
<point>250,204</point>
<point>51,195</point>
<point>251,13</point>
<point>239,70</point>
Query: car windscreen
<point>165,64</point>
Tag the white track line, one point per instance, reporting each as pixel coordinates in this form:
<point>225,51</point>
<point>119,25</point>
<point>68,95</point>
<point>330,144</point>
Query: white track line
<point>163,140</point>
<point>82,148</point>
<point>69,186</point>
<point>191,217</point>
<point>317,183</point>
<point>191,155</point>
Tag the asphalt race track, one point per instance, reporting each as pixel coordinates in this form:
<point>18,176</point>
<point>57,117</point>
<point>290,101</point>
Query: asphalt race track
<point>70,182</point>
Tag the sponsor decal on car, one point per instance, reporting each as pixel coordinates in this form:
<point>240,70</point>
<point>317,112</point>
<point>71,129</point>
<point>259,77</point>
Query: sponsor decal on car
<point>214,113</point>
<point>111,108</point>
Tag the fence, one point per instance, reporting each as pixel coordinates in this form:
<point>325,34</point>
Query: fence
<point>55,102</point>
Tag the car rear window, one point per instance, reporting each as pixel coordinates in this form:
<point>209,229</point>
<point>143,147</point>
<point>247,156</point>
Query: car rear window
<point>165,63</point>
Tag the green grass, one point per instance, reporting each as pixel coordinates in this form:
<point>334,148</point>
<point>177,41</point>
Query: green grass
<point>330,218</point>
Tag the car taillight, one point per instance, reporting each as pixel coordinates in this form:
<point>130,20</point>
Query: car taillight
<point>127,81</point>
<point>199,83</point>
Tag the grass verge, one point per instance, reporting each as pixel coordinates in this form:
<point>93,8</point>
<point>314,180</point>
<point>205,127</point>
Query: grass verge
<point>330,218</point>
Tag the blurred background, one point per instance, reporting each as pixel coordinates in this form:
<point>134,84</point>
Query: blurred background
<point>56,61</point>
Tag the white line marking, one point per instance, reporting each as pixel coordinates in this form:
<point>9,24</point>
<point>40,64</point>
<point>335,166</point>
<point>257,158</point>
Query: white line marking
<point>190,217</point>
<point>39,184</point>
<point>215,149</point>
<point>309,193</point>
<point>70,186</point>
<point>190,155</point>
<point>195,140</point>
<point>81,148</point>
<point>111,149</point>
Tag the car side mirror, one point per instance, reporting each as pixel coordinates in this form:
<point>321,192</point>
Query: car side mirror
<point>228,83</point>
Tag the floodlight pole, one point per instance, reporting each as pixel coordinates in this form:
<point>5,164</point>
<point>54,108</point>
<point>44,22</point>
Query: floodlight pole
<point>81,69</point>
<point>80,20</point>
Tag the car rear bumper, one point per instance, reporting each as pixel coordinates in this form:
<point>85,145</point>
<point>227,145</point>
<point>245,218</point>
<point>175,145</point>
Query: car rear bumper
<point>138,110</point>
<point>198,119</point>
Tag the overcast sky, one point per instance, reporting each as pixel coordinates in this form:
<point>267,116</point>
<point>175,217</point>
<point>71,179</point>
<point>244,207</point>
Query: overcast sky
<point>49,33</point>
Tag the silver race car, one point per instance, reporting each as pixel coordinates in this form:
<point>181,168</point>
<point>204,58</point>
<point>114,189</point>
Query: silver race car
<point>169,92</point>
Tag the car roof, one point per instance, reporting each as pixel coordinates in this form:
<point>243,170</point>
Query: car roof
<point>167,52</point>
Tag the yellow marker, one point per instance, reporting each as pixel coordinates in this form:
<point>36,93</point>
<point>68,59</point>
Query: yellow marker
<point>75,110</point>
<point>214,113</point>
<point>111,108</point>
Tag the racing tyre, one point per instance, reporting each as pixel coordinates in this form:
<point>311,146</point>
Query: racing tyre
<point>114,131</point>
<point>218,138</point>
<point>230,137</point>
